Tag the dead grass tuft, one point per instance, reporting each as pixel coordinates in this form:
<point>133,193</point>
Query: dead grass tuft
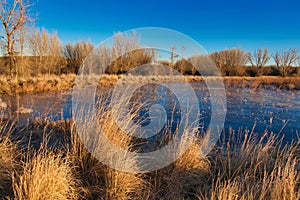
<point>46,175</point>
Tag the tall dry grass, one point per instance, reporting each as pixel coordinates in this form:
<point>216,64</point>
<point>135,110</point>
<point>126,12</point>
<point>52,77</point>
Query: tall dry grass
<point>252,167</point>
<point>8,159</point>
<point>181,179</point>
<point>47,175</point>
<point>101,181</point>
<point>243,166</point>
<point>27,173</point>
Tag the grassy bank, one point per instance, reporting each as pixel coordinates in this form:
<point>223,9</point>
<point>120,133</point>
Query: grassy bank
<point>43,83</point>
<point>46,160</point>
<point>46,83</point>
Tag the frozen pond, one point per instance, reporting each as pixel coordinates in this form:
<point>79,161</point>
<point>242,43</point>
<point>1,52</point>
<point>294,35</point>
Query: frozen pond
<point>275,111</point>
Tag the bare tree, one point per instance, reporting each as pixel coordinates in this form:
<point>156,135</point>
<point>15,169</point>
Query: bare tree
<point>100,58</point>
<point>126,53</point>
<point>39,47</point>
<point>22,43</point>
<point>123,45</point>
<point>219,60</point>
<point>298,66</point>
<point>55,52</point>
<point>14,17</point>
<point>229,61</point>
<point>33,45</point>
<point>259,58</point>
<point>46,49</point>
<point>76,54</point>
<point>285,59</point>
<point>173,55</point>
<point>277,59</point>
<point>201,64</point>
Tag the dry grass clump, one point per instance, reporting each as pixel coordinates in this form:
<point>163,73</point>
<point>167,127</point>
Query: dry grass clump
<point>254,168</point>
<point>107,80</point>
<point>98,181</point>
<point>119,184</point>
<point>181,179</point>
<point>7,162</point>
<point>47,175</point>
<point>9,156</point>
<point>41,83</point>
<point>284,179</point>
<point>281,182</point>
<point>26,173</point>
<point>101,181</point>
<point>8,165</point>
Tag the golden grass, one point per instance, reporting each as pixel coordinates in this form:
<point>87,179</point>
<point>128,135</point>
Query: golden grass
<point>8,165</point>
<point>8,159</point>
<point>280,182</point>
<point>100,181</point>
<point>29,174</point>
<point>48,83</point>
<point>267,82</point>
<point>244,166</point>
<point>254,168</point>
<point>46,175</point>
<point>41,83</point>
<point>181,179</point>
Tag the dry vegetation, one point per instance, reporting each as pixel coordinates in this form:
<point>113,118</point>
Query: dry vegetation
<point>42,83</point>
<point>47,160</point>
<point>46,175</point>
<point>48,83</point>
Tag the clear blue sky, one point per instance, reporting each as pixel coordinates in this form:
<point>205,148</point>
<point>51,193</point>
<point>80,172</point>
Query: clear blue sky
<point>215,24</point>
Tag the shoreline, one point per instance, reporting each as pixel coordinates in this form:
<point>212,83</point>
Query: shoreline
<point>51,83</point>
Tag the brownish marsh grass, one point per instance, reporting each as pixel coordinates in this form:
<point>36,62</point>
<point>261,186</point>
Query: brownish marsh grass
<point>47,160</point>
<point>47,83</point>
<point>41,83</point>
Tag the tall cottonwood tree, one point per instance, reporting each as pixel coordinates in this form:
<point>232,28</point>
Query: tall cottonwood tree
<point>33,44</point>
<point>285,59</point>
<point>14,16</point>
<point>230,61</point>
<point>76,54</point>
<point>204,65</point>
<point>127,53</point>
<point>46,49</point>
<point>123,44</point>
<point>259,58</point>
<point>55,52</point>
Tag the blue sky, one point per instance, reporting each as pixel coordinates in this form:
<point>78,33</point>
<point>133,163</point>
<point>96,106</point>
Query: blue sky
<point>215,24</point>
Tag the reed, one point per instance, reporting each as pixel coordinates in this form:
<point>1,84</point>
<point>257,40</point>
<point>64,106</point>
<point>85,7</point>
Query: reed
<point>50,160</point>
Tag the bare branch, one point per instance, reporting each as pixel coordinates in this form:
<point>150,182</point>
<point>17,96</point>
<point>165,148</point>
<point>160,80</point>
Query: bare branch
<point>286,59</point>
<point>14,18</point>
<point>259,57</point>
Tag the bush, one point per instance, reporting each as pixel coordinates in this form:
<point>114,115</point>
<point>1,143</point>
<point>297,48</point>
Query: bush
<point>252,71</point>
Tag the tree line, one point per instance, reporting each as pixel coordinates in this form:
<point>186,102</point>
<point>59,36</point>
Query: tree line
<point>31,51</point>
